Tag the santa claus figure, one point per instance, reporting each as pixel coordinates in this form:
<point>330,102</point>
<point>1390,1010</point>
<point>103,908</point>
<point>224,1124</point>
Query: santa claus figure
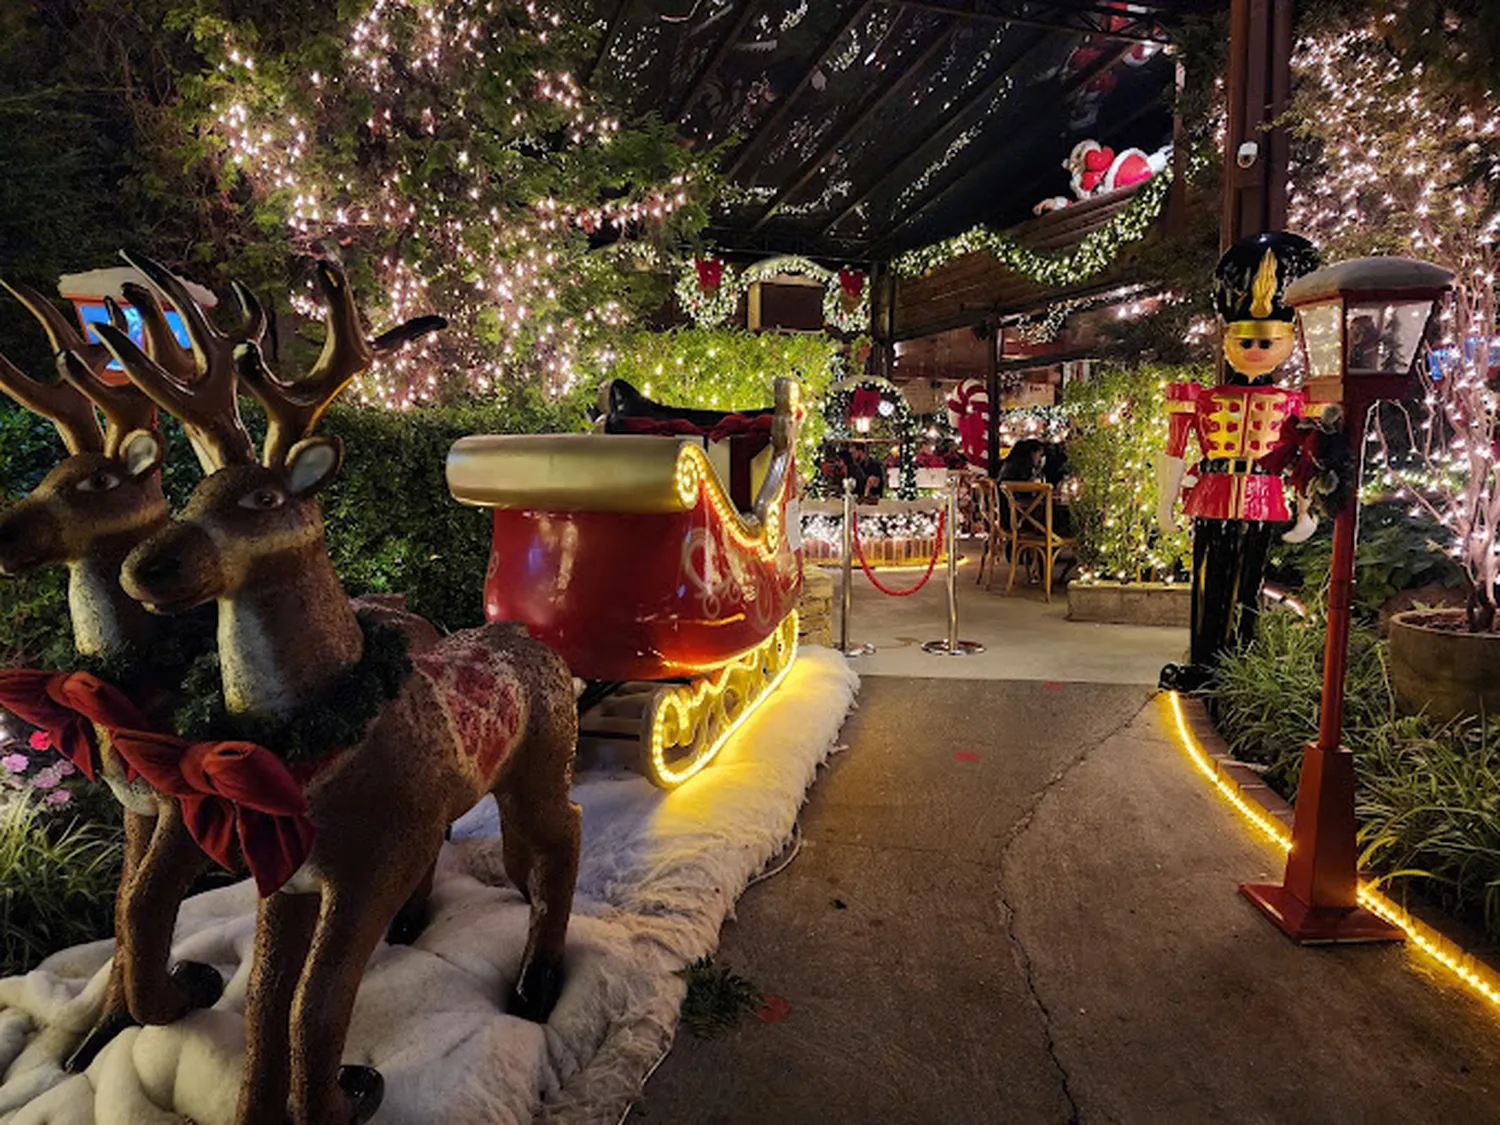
<point>1233,498</point>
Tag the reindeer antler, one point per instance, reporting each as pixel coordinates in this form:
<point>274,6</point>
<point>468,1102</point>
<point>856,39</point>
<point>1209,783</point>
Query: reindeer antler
<point>65,406</point>
<point>293,409</point>
<point>207,406</point>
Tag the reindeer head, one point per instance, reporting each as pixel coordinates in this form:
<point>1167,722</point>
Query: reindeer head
<point>106,494</point>
<point>246,525</point>
<point>249,525</point>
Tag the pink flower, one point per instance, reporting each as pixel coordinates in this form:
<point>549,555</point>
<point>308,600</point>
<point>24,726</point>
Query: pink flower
<point>40,740</point>
<point>46,779</point>
<point>15,763</point>
<point>64,767</point>
<point>59,797</point>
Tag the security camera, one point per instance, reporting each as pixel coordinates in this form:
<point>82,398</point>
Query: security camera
<point>1246,154</point>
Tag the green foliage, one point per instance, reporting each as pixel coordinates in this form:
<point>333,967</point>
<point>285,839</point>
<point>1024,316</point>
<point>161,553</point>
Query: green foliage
<point>716,998</point>
<point>726,369</point>
<point>57,883</point>
<point>1119,428</point>
<point>392,526</point>
<point>1428,800</point>
<point>1396,551</point>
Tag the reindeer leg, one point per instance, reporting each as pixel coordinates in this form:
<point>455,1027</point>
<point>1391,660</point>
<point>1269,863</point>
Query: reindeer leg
<point>116,1016</point>
<point>284,926</point>
<point>411,919</point>
<point>515,850</point>
<point>551,829</point>
<point>356,913</point>
<point>157,996</point>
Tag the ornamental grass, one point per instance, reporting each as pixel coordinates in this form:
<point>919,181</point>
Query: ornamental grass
<point>1428,800</point>
<point>57,882</point>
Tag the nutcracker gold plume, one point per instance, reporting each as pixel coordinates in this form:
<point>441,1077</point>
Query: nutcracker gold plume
<point>1231,497</point>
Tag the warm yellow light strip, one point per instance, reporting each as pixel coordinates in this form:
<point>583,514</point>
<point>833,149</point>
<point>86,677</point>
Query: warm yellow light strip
<point>695,474</point>
<point>1468,969</point>
<point>714,684</point>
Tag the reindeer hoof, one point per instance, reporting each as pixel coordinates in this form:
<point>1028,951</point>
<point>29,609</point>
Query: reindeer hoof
<point>97,1039</point>
<point>200,984</point>
<point>407,925</point>
<point>536,992</point>
<point>365,1089</point>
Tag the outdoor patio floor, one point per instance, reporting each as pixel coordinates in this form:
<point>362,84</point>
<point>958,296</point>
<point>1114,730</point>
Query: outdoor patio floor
<point>1016,902</point>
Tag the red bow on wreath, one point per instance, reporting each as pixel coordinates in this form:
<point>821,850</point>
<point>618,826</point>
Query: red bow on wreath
<point>236,797</point>
<point>852,282</point>
<point>66,705</point>
<point>710,273</point>
<point>864,402</point>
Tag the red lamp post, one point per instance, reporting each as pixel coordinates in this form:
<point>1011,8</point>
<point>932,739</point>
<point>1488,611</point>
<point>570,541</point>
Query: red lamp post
<point>1362,323</point>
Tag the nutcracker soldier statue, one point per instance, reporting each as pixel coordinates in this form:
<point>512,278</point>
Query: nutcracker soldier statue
<point>1233,499</point>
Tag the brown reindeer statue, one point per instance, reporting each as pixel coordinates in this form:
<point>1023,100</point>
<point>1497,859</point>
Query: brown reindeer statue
<point>486,710</point>
<point>90,511</point>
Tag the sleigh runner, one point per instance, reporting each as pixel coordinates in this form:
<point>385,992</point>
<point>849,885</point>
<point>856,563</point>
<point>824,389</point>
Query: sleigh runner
<point>657,556</point>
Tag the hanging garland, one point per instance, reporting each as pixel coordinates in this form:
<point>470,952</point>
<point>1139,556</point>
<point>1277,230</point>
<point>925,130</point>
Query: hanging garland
<point>709,290</point>
<point>1095,253</point>
<point>891,407</point>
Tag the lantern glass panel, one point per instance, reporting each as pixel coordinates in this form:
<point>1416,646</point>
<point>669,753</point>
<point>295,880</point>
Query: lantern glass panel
<point>1322,338</point>
<point>1383,335</point>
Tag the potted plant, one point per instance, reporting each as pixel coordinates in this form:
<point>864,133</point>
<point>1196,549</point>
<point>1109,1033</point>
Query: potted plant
<point>1384,167</point>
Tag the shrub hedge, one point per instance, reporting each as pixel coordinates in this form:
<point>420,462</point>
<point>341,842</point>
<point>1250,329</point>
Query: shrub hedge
<point>392,527</point>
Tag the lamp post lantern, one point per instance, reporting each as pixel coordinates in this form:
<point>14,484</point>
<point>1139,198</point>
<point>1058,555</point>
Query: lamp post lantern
<point>1362,325</point>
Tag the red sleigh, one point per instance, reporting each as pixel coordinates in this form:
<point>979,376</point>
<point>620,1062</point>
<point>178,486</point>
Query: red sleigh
<point>656,556</point>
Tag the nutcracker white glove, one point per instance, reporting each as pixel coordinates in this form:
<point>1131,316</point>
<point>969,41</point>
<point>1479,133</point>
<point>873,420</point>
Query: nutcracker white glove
<point>1307,521</point>
<point>1170,472</point>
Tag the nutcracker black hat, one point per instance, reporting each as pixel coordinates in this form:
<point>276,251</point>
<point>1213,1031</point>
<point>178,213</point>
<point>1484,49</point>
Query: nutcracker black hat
<point>1251,277</point>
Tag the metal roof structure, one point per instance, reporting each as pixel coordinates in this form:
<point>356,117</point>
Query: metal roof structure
<point>856,129</point>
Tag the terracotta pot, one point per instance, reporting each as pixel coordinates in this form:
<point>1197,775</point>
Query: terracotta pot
<point>1437,665</point>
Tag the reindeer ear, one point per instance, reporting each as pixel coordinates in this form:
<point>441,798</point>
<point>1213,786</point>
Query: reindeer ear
<point>312,463</point>
<point>142,452</point>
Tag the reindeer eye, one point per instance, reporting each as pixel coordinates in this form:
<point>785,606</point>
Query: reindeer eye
<point>262,500</point>
<point>102,481</point>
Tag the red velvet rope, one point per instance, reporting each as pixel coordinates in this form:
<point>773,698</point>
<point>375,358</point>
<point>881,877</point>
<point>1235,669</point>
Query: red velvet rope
<point>859,549</point>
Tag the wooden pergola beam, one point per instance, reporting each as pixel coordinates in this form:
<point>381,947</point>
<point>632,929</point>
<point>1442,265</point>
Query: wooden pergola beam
<point>810,170</point>
<point>611,36</point>
<point>954,118</point>
<point>774,119</point>
<point>726,44</point>
<point>936,195</point>
<point>1089,19</point>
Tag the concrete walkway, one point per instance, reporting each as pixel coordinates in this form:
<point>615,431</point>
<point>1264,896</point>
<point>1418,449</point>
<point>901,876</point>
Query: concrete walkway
<point>1015,902</point>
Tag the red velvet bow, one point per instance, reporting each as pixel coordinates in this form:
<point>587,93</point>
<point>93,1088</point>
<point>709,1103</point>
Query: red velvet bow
<point>852,282</point>
<point>710,273</point>
<point>236,797</point>
<point>67,705</point>
<point>864,402</point>
<point>1296,447</point>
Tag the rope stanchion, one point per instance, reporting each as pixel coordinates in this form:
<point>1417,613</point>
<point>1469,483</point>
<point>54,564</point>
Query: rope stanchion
<point>931,563</point>
<point>847,534</point>
<point>951,645</point>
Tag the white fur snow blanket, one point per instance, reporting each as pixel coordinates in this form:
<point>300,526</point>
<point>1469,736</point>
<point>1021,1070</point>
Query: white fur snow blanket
<point>660,873</point>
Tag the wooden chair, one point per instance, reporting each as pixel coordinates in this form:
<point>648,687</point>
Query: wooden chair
<point>987,498</point>
<point>1031,531</point>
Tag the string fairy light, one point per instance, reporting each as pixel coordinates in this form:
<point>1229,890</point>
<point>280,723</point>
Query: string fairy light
<point>1378,171</point>
<point>449,151</point>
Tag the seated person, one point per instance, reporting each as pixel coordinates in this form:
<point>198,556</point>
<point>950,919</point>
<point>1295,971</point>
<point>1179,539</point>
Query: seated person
<point>868,474</point>
<point>1023,462</point>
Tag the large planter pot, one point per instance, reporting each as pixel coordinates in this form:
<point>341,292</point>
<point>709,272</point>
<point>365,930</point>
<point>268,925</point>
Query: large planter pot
<point>1131,603</point>
<point>1440,667</point>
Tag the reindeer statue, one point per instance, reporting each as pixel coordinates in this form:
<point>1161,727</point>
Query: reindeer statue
<point>90,511</point>
<point>486,710</point>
